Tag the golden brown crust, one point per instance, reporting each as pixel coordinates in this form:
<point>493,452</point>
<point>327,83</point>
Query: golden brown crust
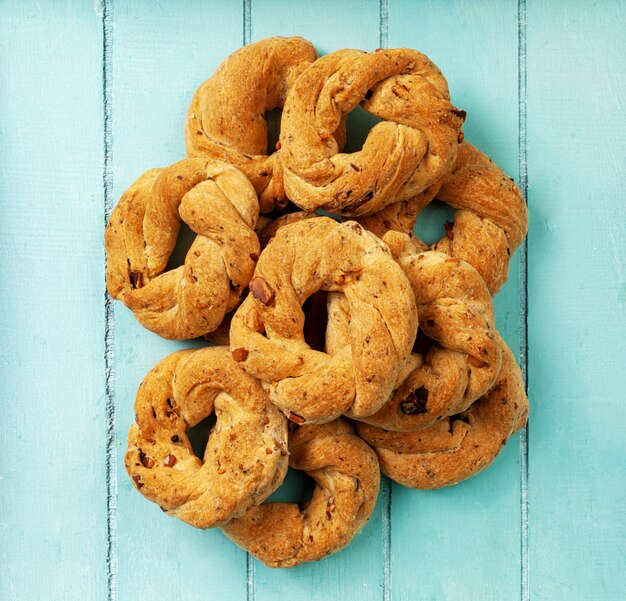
<point>321,254</point>
<point>347,480</point>
<point>455,312</point>
<point>226,117</point>
<point>246,455</point>
<point>410,150</point>
<point>490,222</point>
<point>219,204</point>
<point>460,446</point>
<point>269,231</point>
<point>491,219</point>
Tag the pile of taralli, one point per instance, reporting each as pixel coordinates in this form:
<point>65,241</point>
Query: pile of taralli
<point>347,346</point>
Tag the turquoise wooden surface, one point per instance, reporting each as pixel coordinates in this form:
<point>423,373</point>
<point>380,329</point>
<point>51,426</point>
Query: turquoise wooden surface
<point>92,94</point>
<point>577,310</point>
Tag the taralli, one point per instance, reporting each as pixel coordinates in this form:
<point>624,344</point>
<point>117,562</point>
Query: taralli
<point>226,119</point>
<point>220,205</point>
<point>491,219</point>
<point>246,455</point>
<point>267,336</point>
<point>490,222</point>
<point>348,348</point>
<point>347,480</point>
<point>411,149</point>
<point>463,358</point>
<point>460,446</point>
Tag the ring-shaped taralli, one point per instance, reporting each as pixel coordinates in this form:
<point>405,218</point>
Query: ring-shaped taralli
<point>490,221</point>
<point>347,480</point>
<point>491,217</point>
<point>462,445</point>
<point>220,205</point>
<point>226,116</point>
<point>246,455</point>
<point>411,149</point>
<point>267,330</point>
<point>455,311</point>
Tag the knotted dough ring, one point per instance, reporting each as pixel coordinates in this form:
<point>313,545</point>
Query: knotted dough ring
<point>226,117</point>
<point>490,221</point>
<point>460,446</point>
<point>347,480</point>
<point>219,204</point>
<point>267,330</point>
<point>246,455</point>
<point>455,311</point>
<point>411,149</point>
<point>491,217</point>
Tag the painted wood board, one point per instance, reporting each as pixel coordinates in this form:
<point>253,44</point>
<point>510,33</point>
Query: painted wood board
<point>490,538</point>
<point>577,301</point>
<point>53,488</point>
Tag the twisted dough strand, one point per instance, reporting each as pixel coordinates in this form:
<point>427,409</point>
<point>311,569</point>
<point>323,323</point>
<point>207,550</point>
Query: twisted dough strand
<point>246,455</point>
<point>226,116</point>
<point>410,150</point>
<point>455,311</point>
<point>219,204</point>
<point>460,446</point>
<point>347,480</point>
<point>490,221</point>
<point>267,330</point>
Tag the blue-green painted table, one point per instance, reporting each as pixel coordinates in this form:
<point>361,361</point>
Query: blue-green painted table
<point>92,94</point>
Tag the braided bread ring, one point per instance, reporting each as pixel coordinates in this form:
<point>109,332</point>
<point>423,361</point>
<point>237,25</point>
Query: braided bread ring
<point>413,148</point>
<point>456,311</point>
<point>347,480</point>
<point>491,219</point>
<point>226,117</point>
<point>219,204</point>
<point>267,330</point>
<point>462,445</point>
<point>490,222</point>
<point>246,455</point>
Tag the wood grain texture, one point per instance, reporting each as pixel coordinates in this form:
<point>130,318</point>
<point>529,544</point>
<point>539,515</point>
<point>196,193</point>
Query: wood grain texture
<point>161,52</point>
<point>357,571</point>
<point>577,301</point>
<point>457,543</point>
<point>53,527</point>
<point>463,543</point>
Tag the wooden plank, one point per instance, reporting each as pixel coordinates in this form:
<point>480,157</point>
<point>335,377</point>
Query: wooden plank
<point>161,52</point>
<point>464,542</point>
<point>52,478</point>
<point>577,292</point>
<point>355,572</point>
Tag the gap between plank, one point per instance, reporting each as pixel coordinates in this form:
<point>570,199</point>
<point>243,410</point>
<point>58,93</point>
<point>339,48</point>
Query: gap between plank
<point>523,177</point>
<point>385,493</point>
<point>386,484</point>
<point>383,37</point>
<point>109,328</point>
<point>247,21</point>
<point>250,567</point>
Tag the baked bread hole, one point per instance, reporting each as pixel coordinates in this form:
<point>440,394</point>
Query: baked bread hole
<point>272,118</point>
<point>315,320</point>
<point>199,435</point>
<point>185,239</point>
<point>297,487</point>
<point>430,225</point>
<point>422,343</point>
<point>358,126</point>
